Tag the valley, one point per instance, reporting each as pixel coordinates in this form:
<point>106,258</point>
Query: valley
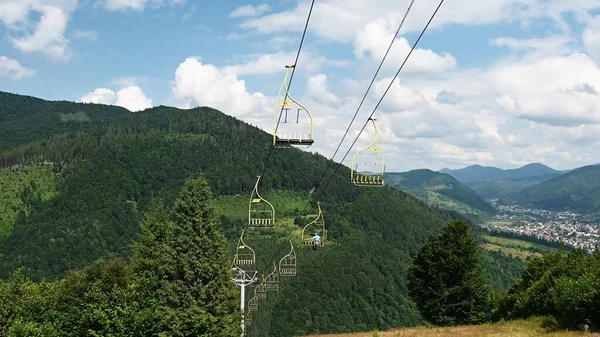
<point>568,228</point>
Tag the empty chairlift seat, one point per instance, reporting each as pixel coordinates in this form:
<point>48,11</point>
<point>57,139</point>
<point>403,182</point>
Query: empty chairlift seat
<point>272,280</point>
<point>287,264</point>
<point>368,164</point>
<point>260,212</point>
<point>244,257</point>
<point>253,304</point>
<point>293,123</point>
<point>261,290</point>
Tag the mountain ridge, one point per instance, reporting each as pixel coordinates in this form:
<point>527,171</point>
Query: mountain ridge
<point>577,190</point>
<point>474,173</point>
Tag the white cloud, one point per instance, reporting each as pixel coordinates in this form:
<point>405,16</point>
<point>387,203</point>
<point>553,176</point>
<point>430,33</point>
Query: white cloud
<point>375,38</point>
<point>340,19</point>
<point>206,85</point>
<point>13,69</point>
<point>137,5</point>
<point>537,107</point>
<point>127,81</point>
<point>553,44</point>
<point>275,63</point>
<point>317,89</point>
<point>591,39</point>
<point>12,12</point>
<point>100,96</point>
<point>398,97</point>
<point>557,90</point>
<point>45,36</point>
<point>234,36</point>
<point>121,5</point>
<point>88,35</point>
<point>131,98</point>
<point>249,10</point>
<point>189,13</point>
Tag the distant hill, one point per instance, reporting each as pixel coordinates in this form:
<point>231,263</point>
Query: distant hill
<point>497,189</point>
<point>474,173</point>
<point>578,190</point>
<point>488,173</point>
<point>438,189</point>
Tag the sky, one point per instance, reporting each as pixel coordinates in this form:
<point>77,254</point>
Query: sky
<point>501,83</point>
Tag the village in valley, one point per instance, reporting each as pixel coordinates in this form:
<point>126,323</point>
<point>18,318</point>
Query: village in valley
<point>572,229</point>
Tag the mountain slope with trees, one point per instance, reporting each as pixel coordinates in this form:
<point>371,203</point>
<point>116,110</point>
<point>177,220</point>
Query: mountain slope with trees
<point>112,163</point>
<point>497,189</point>
<point>578,190</point>
<point>177,285</point>
<point>429,185</point>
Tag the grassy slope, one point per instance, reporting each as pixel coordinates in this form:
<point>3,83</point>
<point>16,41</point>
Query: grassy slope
<point>13,182</point>
<point>440,190</point>
<point>526,328</point>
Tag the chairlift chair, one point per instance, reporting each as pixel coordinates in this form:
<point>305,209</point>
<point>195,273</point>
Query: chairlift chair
<point>317,226</point>
<point>253,303</point>
<point>287,264</point>
<point>371,161</point>
<point>261,213</point>
<point>244,257</point>
<point>261,290</point>
<point>272,280</point>
<point>293,124</point>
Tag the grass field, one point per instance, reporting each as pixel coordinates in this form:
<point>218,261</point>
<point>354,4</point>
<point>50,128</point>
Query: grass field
<point>529,328</point>
<point>287,204</point>
<point>516,243</point>
<point>434,198</point>
<point>520,253</point>
<point>515,247</point>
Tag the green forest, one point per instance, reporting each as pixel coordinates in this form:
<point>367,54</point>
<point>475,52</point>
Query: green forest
<point>440,189</point>
<point>83,183</point>
<point>576,190</point>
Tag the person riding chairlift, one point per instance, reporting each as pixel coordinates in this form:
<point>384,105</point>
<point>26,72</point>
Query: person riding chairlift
<point>316,240</point>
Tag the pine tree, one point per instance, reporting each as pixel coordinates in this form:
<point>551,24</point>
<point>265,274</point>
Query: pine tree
<point>446,279</point>
<point>184,269</point>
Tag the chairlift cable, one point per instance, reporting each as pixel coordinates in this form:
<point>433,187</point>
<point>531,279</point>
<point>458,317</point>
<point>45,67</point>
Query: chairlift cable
<point>383,96</point>
<point>366,93</point>
<point>372,113</point>
<point>290,82</point>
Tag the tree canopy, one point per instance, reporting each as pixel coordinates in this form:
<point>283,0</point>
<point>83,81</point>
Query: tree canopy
<point>446,279</point>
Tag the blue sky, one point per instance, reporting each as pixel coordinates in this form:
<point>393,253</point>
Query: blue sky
<point>512,69</point>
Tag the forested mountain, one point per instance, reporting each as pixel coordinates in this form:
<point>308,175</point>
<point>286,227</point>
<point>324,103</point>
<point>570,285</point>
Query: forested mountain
<point>496,189</point>
<point>474,173</point>
<point>99,167</point>
<point>439,189</point>
<point>578,190</point>
<point>487,173</point>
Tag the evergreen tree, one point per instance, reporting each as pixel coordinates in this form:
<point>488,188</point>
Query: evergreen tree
<point>185,287</point>
<point>447,281</point>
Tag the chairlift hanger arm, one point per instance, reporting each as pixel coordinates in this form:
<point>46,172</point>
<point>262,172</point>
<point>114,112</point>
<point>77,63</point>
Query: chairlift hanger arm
<point>260,199</point>
<point>376,138</point>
